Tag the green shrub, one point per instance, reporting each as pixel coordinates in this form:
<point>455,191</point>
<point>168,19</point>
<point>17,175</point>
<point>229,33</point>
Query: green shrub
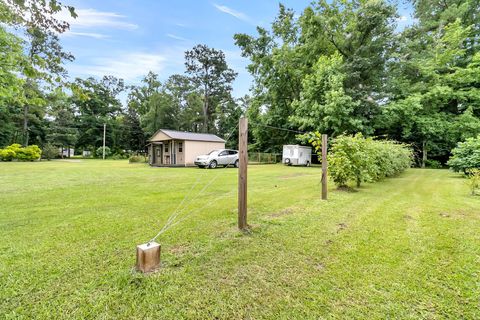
<point>433,164</point>
<point>99,152</point>
<point>466,155</point>
<point>49,151</point>
<point>473,176</point>
<point>133,159</point>
<point>29,153</point>
<point>16,152</point>
<point>359,159</point>
<point>7,154</point>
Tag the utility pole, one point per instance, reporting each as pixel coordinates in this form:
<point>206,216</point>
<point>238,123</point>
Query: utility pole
<point>104,131</point>
<point>324,166</point>
<point>242,172</point>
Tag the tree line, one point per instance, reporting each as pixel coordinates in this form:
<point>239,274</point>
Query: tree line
<point>338,67</point>
<point>38,105</point>
<point>344,67</point>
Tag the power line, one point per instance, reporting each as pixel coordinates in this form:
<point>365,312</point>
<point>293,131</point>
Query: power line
<point>172,219</point>
<point>279,128</point>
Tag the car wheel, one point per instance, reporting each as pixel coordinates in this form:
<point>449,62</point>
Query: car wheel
<point>307,164</point>
<point>213,164</point>
<point>236,164</point>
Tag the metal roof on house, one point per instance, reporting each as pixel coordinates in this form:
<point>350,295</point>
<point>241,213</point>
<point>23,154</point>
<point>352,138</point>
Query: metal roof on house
<point>182,135</point>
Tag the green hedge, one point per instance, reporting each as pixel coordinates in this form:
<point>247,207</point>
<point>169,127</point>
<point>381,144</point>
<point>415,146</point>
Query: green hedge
<point>17,152</point>
<point>359,159</point>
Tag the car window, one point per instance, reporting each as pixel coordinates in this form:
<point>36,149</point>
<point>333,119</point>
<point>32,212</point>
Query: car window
<point>232,151</point>
<point>223,153</point>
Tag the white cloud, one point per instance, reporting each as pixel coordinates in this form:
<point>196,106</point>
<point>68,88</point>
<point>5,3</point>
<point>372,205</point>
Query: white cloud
<point>128,66</point>
<point>91,18</point>
<point>232,12</point>
<point>84,34</point>
<point>402,18</point>
<point>176,37</point>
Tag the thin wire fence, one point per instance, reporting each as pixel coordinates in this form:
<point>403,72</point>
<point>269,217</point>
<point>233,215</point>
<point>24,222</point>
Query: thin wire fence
<point>264,158</point>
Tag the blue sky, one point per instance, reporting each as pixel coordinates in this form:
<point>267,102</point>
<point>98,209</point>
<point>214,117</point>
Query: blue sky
<point>129,38</point>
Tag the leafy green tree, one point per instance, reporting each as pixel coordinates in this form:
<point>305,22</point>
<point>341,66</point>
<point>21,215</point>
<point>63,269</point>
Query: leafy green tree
<point>161,114</point>
<point>49,151</point>
<point>135,136</point>
<point>228,115</point>
<point>139,95</point>
<point>96,102</point>
<point>277,63</point>
<point>466,155</point>
<point>323,104</point>
<point>43,51</point>
<point>290,64</point>
<point>62,132</point>
<point>361,32</point>
<point>189,100</point>
<point>209,71</point>
<point>432,91</point>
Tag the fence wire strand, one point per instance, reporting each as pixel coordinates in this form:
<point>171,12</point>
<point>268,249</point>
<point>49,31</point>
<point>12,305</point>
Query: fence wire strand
<point>179,210</point>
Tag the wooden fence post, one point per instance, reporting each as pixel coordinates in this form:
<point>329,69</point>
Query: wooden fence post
<point>324,166</point>
<point>242,173</point>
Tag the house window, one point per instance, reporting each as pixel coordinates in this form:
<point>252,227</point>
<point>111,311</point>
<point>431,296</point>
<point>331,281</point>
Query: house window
<point>180,147</point>
<point>159,153</point>
<point>166,148</point>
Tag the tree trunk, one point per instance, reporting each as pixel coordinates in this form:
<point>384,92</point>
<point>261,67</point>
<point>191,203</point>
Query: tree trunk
<point>25,125</point>
<point>205,113</point>
<point>424,153</point>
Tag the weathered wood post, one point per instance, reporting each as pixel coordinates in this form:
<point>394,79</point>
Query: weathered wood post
<point>242,172</point>
<point>324,166</point>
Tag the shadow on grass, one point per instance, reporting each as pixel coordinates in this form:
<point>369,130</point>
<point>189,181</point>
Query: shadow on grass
<point>346,189</point>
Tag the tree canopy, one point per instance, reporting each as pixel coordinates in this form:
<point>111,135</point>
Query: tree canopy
<point>338,67</point>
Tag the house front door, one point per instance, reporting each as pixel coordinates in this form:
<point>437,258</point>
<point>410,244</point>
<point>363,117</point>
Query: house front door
<point>158,154</point>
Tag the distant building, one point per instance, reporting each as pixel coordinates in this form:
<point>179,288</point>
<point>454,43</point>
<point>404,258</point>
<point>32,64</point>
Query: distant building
<point>177,148</point>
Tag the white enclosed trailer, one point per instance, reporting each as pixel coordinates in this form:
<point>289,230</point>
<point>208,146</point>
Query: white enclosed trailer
<point>296,155</point>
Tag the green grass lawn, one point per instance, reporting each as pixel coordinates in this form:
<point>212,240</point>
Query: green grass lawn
<point>406,247</point>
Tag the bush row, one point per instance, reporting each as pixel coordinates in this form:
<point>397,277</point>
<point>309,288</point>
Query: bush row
<point>17,152</point>
<point>359,159</point>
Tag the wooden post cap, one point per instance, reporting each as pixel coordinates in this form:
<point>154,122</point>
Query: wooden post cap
<point>148,257</point>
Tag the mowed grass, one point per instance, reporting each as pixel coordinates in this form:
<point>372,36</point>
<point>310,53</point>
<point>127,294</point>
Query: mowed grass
<point>407,247</point>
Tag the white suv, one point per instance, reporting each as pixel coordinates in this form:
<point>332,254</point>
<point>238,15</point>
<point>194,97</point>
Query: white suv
<point>215,158</point>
